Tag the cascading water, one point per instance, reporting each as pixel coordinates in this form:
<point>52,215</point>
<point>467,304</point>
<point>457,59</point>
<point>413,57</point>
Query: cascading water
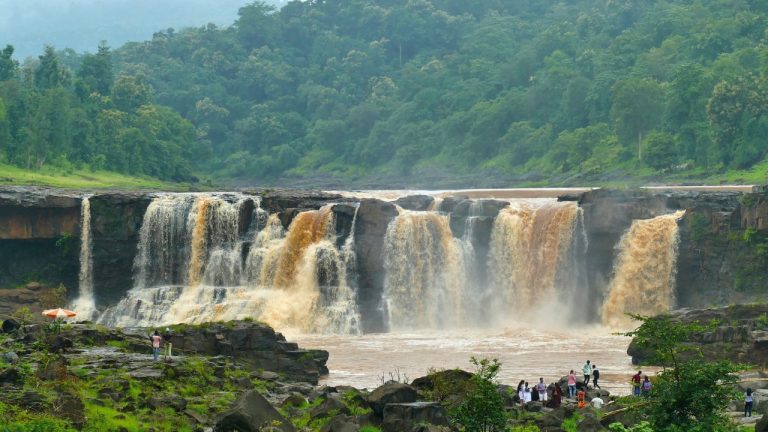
<point>644,273</point>
<point>85,304</point>
<point>530,242</point>
<point>295,280</point>
<point>433,280</point>
<point>425,274</point>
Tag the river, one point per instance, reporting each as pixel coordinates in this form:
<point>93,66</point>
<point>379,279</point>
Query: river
<point>525,353</point>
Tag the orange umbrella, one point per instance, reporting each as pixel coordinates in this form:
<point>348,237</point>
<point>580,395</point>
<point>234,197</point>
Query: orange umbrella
<point>59,313</point>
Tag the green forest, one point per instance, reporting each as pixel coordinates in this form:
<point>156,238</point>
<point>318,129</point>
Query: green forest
<point>528,92</point>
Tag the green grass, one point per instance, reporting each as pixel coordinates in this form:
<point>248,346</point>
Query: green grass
<point>80,179</point>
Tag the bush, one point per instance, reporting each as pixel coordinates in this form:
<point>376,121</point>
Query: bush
<point>483,408</point>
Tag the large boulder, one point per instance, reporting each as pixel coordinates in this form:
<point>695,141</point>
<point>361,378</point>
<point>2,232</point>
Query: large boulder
<point>10,325</point>
<point>762,425</point>
<point>255,344</point>
<point>251,413</point>
<point>341,423</point>
<point>416,202</point>
<point>404,416</point>
<point>390,393</point>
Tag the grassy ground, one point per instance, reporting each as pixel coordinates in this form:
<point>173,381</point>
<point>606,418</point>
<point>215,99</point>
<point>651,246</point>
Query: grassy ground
<point>81,179</point>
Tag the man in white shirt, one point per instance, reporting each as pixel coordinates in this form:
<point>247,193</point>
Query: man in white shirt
<point>597,403</point>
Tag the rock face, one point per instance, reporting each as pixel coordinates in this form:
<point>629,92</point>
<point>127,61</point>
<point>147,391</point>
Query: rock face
<point>390,393</point>
<point>373,218</point>
<point>721,260</point>
<point>38,236</point>
<point>252,413</point>
<point>718,263</point>
<point>404,416</point>
<point>255,344</point>
<point>741,334</point>
<point>115,223</point>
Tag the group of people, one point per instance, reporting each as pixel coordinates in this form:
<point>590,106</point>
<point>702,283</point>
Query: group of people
<point>157,342</point>
<point>539,393</point>
<point>641,386</point>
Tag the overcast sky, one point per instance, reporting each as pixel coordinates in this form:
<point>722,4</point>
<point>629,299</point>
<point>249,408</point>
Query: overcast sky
<point>81,24</point>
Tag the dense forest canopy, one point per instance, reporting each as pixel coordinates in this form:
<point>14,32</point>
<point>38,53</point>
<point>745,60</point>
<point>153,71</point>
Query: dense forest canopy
<point>558,91</point>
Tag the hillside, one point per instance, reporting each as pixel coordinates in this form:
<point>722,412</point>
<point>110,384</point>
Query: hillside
<point>420,93</point>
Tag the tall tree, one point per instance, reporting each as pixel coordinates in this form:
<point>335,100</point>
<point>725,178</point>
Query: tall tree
<point>49,73</point>
<point>95,72</point>
<point>638,107</point>
<point>8,66</point>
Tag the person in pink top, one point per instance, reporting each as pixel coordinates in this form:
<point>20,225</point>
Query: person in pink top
<point>571,384</point>
<point>156,339</point>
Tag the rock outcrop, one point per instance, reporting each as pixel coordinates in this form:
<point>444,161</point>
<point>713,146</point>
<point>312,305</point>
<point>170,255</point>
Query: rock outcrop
<point>255,344</point>
<point>740,334</point>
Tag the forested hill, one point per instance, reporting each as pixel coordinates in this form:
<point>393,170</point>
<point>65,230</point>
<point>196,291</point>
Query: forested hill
<point>568,92</point>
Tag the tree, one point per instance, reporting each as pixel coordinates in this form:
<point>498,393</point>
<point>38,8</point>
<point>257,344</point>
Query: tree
<point>130,92</point>
<point>483,407</point>
<point>660,150</point>
<point>638,107</point>
<point>691,393</point>
<point>95,72</point>
<point>8,66</point>
<point>49,73</point>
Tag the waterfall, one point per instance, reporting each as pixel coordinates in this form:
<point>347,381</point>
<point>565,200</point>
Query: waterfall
<point>530,242</point>
<point>425,280</point>
<point>85,305</point>
<point>296,279</point>
<point>644,271</point>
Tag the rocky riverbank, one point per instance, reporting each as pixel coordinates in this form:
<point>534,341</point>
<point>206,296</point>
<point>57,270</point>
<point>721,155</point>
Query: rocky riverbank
<point>225,376</point>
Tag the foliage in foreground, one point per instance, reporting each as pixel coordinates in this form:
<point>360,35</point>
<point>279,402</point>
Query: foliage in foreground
<point>690,394</point>
<point>483,407</point>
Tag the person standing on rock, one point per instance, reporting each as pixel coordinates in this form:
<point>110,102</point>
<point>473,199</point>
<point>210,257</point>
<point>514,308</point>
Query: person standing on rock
<point>168,345</point>
<point>541,388</point>
<point>521,392</point>
<point>636,382</point>
<point>527,393</point>
<point>647,387</point>
<point>748,401</point>
<point>156,339</point>
<point>571,384</point>
<point>587,369</point>
<point>557,396</point>
<point>595,376</point>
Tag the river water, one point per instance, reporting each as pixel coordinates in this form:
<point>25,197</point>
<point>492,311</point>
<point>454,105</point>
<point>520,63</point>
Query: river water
<point>525,353</point>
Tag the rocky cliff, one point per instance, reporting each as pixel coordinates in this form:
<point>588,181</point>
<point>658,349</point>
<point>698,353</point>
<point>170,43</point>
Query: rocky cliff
<point>738,333</point>
<point>723,250</point>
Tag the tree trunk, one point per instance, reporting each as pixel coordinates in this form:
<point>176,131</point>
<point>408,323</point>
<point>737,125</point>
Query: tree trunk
<point>639,146</point>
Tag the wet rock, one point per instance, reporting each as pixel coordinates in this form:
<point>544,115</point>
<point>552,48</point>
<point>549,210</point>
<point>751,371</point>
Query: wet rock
<point>10,376</point>
<point>415,202</point>
<point>266,375</point>
<point>373,218</point>
<point>590,424</point>
<point>146,373</point>
<point>332,404</point>
<point>11,357</point>
<point>294,400</point>
<point>251,413</point>
<point>404,416</point>
<point>71,408</point>
<point>177,403</point>
<point>390,393</point>
<point>32,401</point>
<point>256,345</point>
<point>55,369</point>
<point>10,325</point>
<point>341,423</point>
<point>762,425</point>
